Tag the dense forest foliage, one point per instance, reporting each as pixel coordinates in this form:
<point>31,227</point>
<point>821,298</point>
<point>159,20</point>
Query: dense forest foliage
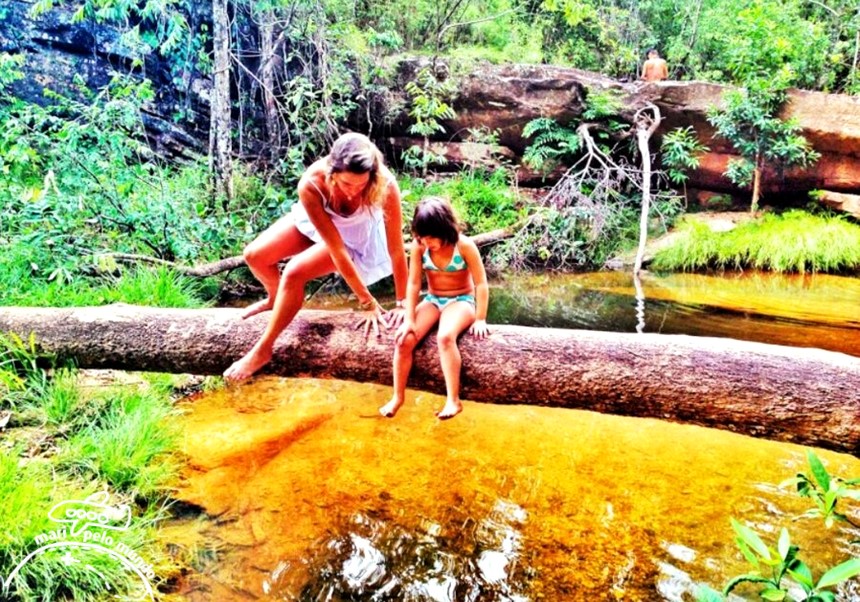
<point>304,65</point>
<point>79,180</point>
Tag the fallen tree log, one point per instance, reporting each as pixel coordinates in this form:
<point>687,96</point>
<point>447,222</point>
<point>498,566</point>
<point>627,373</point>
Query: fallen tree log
<point>805,396</point>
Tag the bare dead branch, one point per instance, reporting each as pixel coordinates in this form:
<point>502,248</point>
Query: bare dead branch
<point>231,263</point>
<point>645,126</point>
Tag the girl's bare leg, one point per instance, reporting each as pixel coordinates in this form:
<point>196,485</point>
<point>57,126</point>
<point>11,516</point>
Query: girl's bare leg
<point>426,315</point>
<point>455,318</point>
<point>275,243</point>
<point>307,265</point>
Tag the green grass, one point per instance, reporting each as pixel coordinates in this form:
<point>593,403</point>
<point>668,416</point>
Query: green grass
<point>119,442</point>
<point>128,444</point>
<point>29,489</point>
<point>483,202</point>
<point>24,284</point>
<point>795,241</point>
<point>23,384</point>
<point>61,400</point>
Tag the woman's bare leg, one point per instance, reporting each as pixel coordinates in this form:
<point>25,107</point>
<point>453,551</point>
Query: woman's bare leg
<point>289,295</point>
<point>277,242</point>
<point>426,315</point>
<point>455,318</point>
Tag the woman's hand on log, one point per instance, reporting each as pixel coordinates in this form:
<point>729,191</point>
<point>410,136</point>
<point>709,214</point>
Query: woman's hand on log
<point>374,315</point>
<point>395,316</point>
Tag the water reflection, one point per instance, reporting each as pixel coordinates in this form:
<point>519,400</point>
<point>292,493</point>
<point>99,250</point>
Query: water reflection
<point>805,311</point>
<point>376,559</point>
<point>802,310</point>
<point>640,303</point>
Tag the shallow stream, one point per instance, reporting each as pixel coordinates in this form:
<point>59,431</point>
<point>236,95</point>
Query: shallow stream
<point>315,497</point>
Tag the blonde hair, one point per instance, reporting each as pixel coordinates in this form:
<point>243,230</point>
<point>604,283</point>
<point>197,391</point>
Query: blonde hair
<point>355,153</point>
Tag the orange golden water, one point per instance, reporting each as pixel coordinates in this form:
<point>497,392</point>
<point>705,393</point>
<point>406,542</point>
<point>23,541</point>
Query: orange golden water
<point>309,488</point>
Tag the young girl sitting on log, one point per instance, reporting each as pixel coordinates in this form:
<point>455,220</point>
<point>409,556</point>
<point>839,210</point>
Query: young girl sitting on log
<point>457,299</point>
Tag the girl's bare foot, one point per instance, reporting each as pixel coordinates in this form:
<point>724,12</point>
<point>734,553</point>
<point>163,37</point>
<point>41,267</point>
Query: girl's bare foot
<point>244,368</point>
<point>258,308</point>
<point>390,408</point>
<point>451,409</point>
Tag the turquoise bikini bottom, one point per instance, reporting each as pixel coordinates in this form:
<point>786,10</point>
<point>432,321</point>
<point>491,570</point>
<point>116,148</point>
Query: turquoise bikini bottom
<point>442,302</point>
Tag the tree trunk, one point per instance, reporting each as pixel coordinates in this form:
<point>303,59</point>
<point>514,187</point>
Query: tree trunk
<point>806,396</point>
<point>756,191</point>
<point>644,129</point>
<point>853,76</point>
<point>221,147</point>
<point>267,77</point>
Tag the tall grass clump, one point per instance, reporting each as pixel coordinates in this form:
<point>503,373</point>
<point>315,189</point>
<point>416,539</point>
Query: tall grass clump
<point>159,287</point>
<point>26,387</point>
<point>128,444</point>
<point>118,445</point>
<point>62,398</point>
<point>694,249</point>
<point>795,241</point>
<point>23,382</point>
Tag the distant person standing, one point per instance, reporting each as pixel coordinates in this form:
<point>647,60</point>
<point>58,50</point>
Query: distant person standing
<point>654,69</point>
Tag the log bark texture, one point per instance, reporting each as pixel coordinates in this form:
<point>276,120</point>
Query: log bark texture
<point>805,396</point>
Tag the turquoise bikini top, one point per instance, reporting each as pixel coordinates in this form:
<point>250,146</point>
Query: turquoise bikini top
<point>456,264</point>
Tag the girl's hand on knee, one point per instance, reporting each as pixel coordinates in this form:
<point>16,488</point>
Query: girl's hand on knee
<point>479,329</point>
<point>404,331</point>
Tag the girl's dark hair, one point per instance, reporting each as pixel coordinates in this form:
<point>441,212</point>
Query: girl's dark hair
<point>435,217</point>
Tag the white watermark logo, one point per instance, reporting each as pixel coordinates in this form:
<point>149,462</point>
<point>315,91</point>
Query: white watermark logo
<point>86,525</point>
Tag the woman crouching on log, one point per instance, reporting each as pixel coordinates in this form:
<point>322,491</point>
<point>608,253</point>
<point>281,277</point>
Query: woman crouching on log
<point>348,220</point>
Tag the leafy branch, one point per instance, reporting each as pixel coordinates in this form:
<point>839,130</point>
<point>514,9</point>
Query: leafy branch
<point>774,565</point>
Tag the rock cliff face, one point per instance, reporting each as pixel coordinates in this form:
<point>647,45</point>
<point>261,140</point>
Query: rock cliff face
<point>506,97</point>
<point>58,51</point>
<point>831,123</point>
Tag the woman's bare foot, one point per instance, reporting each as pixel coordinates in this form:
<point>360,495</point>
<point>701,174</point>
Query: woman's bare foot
<point>451,409</point>
<point>390,408</point>
<point>258,308</point>
<point>244,368</point>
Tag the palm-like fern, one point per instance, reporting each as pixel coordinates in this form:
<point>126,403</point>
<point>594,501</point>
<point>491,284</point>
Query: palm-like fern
<point>552,143</point>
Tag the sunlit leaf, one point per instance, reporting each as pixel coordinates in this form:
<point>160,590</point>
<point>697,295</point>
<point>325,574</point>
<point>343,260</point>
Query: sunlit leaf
<point>801,573</point>
<point>822,477</point>
<point>749,537</point>
<point>840,573</point>
<point>784,544</point>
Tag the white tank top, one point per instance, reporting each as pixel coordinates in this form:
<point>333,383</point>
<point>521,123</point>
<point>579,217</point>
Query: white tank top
<point>363,234</point>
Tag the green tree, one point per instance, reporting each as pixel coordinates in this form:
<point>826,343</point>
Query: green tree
<point>429,105</point>
<point>589,34</point>
<point>749,121</point>
<point>680,153</point>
